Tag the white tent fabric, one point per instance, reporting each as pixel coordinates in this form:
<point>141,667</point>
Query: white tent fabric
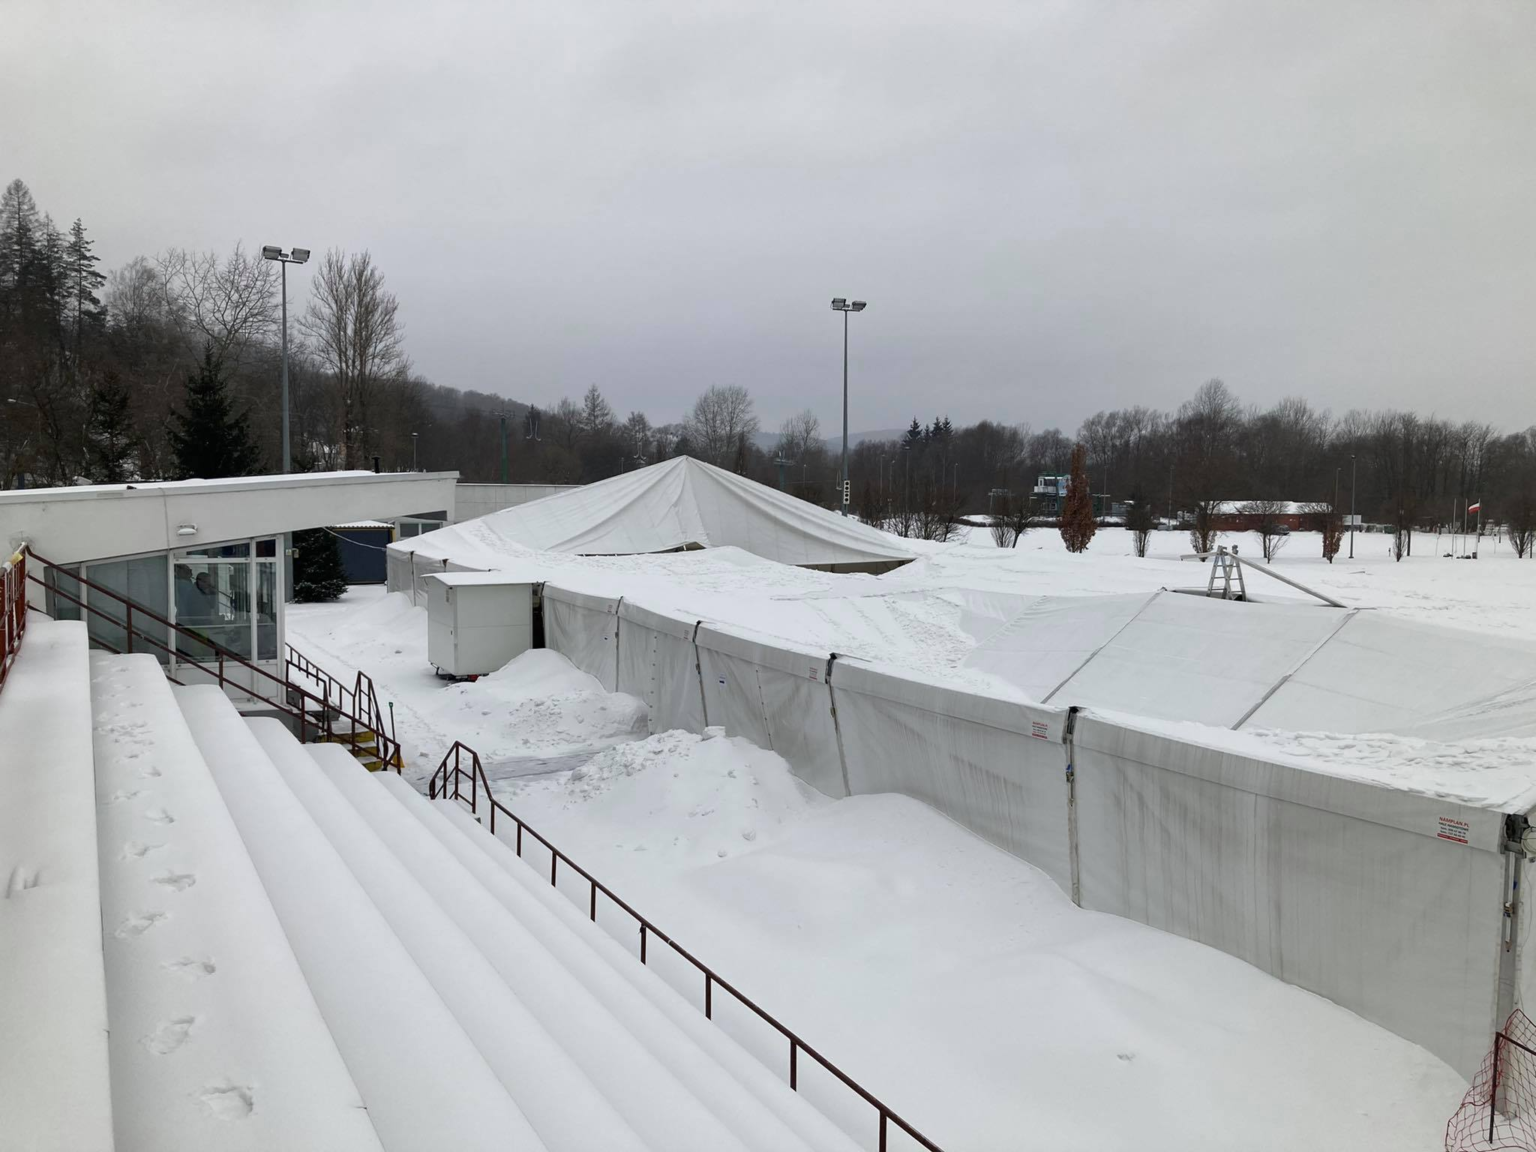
<point>1384,674</point>
<point>680,503</point>
<point>1199,659</point>
<point>777,697</point>
<point>585,629</point>
<point>1387,902</point>
<point>1045,643</point>
<point>995,766</point>
<point>659,664</point>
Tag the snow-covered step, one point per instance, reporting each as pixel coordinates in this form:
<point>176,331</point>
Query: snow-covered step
<point>55,1090</point>
<point>424,1083</point>
<point>809,1124</point>
<point>501,915</point>
<point>216,1042</point>
<point>646,1091</point>
<point>561,1103</point>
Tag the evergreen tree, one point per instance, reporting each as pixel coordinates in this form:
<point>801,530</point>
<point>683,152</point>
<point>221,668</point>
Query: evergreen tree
<point>109,444</point>
<point>318,573</point>
<point>83,282</point>
<point>914,434</point>
<point>209,438</point>
<point>1077,523</point>
<point>1139,520</point>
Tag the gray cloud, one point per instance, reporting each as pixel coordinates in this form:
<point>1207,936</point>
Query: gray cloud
<point>1053,208</point>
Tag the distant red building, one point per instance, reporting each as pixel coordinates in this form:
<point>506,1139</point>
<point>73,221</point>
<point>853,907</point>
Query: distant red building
<point>1247,515</point>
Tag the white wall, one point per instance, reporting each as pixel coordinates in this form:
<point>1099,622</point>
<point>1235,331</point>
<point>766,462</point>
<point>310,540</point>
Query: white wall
<point>92,522</point>
<point>476,500</point>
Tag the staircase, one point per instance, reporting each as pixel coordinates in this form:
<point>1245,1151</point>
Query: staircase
<point>217,937</point>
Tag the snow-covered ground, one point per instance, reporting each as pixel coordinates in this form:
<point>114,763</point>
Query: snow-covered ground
<point>951,979</point>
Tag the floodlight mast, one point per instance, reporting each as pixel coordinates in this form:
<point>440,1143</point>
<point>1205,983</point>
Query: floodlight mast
<point>296,256</point>
<point>841,304</point>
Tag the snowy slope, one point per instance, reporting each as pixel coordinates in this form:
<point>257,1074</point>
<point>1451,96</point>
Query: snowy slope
<point>54,1078</point>
<point>197,965</point>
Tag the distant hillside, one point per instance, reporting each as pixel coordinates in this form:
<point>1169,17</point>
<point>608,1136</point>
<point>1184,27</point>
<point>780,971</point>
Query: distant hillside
<point>768,441</point>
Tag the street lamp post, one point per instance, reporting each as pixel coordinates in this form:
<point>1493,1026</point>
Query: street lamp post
<point>839,304</point>
<point>293,256</point>
<point>1351,505</point>
<point>413,453</point>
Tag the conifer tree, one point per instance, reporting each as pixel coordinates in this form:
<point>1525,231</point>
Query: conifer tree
<point>83,281</point>
<point>208,437</point>
<point>318,572</point>
<point>1077,523</point>
<point>109,444</point>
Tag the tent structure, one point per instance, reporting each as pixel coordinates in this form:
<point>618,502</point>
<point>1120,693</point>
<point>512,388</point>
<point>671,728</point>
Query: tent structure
<point>679,504</point>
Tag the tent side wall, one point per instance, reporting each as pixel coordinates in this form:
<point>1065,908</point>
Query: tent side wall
<point>658,663</point>
<point>1350,890</point>
<point>584,629</point>
<point>776,696</point>
<point>995,766</point>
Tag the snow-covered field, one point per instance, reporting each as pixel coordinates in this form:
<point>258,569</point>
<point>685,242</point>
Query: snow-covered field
<point>953,980</point>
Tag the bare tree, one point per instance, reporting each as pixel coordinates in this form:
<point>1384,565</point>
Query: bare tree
<point>1269,523</point>
<point>352,325</point>
<point>798,434</point>
<point>1138,518</point>
<point>1522,523</point>
<point>228,304</point>
<point>719,420</point>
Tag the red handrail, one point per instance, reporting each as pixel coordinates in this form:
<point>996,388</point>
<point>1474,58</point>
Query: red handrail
<point>13,610</point>
<point>439,786</point>
<point>385,747</point>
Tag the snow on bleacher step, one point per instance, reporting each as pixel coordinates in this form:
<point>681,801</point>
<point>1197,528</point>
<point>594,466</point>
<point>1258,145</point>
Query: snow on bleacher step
<point>484,854</point>
<point>424,1083</point>
<point>519,932</point>
<point>216,1041</point>
<point>644,1090</point>
<point>565,1109</point>
<point>54,1080</point>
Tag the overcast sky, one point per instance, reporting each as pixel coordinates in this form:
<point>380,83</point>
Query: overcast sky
<point>1052,208</point>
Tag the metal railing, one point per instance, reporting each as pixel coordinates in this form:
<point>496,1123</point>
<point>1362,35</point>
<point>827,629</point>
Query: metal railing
<point>446,782</point>
<point>310,710</point>
<point>13,610</point>
<point>358,704</point>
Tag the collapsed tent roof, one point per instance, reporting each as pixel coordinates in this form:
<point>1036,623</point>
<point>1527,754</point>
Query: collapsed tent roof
<point>1295,667</point>
<point>677,504</point>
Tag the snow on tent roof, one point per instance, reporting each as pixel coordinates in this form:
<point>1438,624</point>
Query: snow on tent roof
<point>1050,639</point>
<point>677,504</point>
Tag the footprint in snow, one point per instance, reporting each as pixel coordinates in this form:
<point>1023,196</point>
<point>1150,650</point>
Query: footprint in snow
<point>149,771</point>
<point>190,967</point>
<point>138,924</point>
<point>175,881</point>
<point>159,816</point>
<point>119,796</point>
<point>169,1035</point>
<point>229,1101</point>
<point>137,850</point>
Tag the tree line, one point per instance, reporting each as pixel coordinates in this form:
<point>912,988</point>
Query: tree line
<point>100,373</point>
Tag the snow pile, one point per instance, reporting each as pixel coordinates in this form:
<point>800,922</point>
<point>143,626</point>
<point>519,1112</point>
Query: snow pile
<point>1014,1011</point>
<point>539,705</point>
<point>679,798</point>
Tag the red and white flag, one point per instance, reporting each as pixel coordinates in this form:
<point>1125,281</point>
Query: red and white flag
<point>1471,508</point>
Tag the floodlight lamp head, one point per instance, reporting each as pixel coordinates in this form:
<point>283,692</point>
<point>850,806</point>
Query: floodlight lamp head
<point>300,255</point>
<point>857,306</point>
<point>271,252</point>
<point>839,304</point>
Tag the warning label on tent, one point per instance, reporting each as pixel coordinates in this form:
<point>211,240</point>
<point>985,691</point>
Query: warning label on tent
<point>1454,830</point>
<point>1039,729</point>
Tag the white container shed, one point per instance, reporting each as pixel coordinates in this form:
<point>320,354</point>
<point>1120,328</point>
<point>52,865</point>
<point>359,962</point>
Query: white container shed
<point>477,621</point>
